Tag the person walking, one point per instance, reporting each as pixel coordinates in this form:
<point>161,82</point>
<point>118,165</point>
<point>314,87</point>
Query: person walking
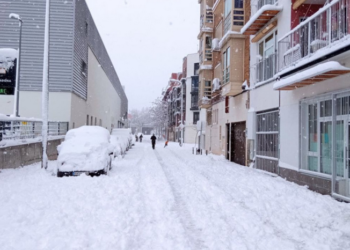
<point>141,136</point>
<point>166,144</point>
<point>137,138</point>
<point>153,139</point>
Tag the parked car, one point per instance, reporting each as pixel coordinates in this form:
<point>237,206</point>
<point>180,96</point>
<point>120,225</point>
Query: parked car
<point>125,134</point>
<point>119,145</point>
<point>85,150</point>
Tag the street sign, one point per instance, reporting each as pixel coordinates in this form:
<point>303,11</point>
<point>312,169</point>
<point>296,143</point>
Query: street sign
<point>8,68</point>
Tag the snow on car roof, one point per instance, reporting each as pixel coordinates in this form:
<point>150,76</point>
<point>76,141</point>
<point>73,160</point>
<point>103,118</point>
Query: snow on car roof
<point>84,139</point>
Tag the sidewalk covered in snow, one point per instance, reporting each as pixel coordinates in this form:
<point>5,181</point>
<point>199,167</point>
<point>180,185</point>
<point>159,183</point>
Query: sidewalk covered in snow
<point>167,199</point>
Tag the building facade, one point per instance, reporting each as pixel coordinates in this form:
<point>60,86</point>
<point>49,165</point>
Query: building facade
<point>83,84</point>
<point>181,98</point>
<point>299,94</point>
<point>224,77</point>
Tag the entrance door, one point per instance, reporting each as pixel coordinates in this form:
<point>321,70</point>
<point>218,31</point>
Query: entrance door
<point>238,143</point>
<point>342,185</point>
<point>227,141</point>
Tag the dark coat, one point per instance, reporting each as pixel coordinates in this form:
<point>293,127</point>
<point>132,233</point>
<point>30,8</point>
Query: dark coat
<point>153,138</point>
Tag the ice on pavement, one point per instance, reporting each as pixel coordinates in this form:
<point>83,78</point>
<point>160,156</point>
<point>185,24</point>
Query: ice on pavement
<point>167,199</point>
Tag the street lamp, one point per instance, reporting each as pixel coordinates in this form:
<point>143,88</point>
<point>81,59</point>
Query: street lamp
<point>18,73</point>
<point>45,87</point>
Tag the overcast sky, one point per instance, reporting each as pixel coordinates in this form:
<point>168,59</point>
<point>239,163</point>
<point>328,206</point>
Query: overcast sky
<point>147,40</point>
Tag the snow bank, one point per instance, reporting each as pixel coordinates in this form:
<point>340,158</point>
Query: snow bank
<point>84,149</point>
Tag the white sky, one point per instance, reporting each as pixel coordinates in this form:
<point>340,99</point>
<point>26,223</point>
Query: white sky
<point>147,40</point>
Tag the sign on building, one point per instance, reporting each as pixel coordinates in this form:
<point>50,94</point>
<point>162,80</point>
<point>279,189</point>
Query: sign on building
<point>8,67</point>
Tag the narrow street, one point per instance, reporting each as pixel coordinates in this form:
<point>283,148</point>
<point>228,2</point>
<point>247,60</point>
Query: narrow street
<point>167,199</point>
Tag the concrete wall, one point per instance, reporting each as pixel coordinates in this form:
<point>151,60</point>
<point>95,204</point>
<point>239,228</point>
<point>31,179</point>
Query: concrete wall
<point>23,155</point>
<point>103,102</point>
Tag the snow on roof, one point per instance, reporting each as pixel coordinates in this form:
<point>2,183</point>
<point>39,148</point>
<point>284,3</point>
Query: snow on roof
<point>14,118</point>
<point>309,73</point>
<point>253,18</point>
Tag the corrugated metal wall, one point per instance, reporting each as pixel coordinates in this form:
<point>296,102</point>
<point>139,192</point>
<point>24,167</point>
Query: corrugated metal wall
<point>61,36</point>
<point>69,43</point>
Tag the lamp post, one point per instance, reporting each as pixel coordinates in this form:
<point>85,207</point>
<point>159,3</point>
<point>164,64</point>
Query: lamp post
<point>18,73</point>
<point>45,89</point>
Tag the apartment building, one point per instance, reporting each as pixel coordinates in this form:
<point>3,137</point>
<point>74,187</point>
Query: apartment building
<point>83,84</point>
<point>224,77</point>
<point>300,90</point>
<point>181,97</point>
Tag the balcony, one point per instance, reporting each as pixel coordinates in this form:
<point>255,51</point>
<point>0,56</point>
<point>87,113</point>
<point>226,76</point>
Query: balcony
<point>207,19</point>
<point>204,102</point>
<point>323,34</point>
<point>265,69</point>
<point>267,10</point>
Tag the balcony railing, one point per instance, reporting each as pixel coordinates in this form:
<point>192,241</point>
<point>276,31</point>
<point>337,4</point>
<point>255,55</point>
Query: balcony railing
<point>329,25</point>
<point>266,68</point>
<point>208,18</point>
<point>227,23</point>
<point>21,130</point>
<point>262,3</point>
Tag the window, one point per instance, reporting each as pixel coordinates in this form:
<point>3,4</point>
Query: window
<point>227,16</point>
<point>227,105</point>
<point>226,66</point>
<point>208,50</point>
<point>266,66</point>
<point>316,134</point>
<point>207,89</point>
<point>86,28</point>
<point>195,117</point>
<point>238,13</point>
<point>83,68</point>
<point>267,146</point>
<point>228,7</point>
<point>196,69</point>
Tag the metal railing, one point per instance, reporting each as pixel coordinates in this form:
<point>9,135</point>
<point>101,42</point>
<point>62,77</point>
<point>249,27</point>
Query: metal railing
<point>22,129</point>
<point>262,3</point>
<point>329,25</point>
<point>266,68</point>
<point>227,23</point>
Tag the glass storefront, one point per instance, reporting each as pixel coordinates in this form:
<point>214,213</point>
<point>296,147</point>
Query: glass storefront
<point>323,118</point>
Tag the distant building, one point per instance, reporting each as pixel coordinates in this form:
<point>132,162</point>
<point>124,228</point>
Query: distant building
<point>84,86</point>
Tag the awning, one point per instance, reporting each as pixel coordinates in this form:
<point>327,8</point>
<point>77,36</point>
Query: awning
<point>319,73</point>
<point>260,19</point>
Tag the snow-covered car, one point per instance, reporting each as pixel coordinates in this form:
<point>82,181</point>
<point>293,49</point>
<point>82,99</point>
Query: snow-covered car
<point>85,150</point>
<point>124,134</point>
<point>119,146</point>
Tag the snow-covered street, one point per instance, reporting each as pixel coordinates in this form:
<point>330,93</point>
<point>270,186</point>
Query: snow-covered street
<point>166,199</point>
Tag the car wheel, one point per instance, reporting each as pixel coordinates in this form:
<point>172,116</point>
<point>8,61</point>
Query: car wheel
<point>60,174</point>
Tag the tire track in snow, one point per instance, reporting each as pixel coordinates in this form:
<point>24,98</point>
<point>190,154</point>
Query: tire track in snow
<point>208,176</point>
<point>193,234</point>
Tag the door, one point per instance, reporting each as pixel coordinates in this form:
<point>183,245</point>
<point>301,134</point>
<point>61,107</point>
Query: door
<point>227,141</point>
<point>238,143</point>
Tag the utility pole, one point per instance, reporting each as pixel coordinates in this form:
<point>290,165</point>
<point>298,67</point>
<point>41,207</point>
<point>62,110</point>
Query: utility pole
<point>18,73</point>
<point>45,88</point>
